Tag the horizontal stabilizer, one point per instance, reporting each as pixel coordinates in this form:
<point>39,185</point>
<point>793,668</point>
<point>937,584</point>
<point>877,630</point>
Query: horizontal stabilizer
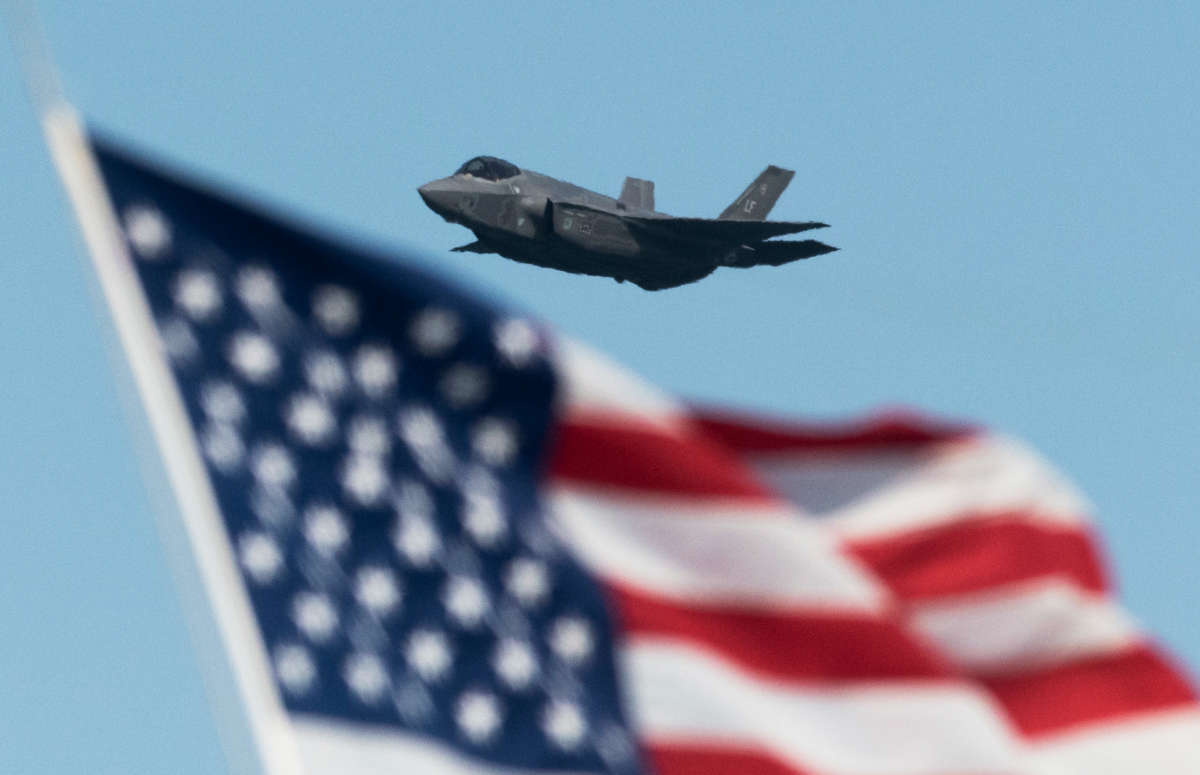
<point>637,194</point>
<point>760,196</point>
<point>474,247</point>
<point>779,252</point>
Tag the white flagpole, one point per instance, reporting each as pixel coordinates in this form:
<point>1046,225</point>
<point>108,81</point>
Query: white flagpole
<point>161,400</point>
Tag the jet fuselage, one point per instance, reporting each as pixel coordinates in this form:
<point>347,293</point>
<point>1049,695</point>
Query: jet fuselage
<point>536,219</point>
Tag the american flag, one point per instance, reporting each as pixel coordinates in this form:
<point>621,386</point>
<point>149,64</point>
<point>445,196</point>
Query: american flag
<point>472,546</point>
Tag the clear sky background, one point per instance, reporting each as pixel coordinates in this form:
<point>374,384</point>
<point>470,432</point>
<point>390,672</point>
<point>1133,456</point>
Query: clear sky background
<point>1014,189</point>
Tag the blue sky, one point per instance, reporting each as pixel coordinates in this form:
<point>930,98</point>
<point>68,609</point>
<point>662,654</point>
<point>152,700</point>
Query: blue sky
<point>1014,189</point>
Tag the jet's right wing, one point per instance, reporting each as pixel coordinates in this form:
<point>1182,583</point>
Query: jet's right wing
<point>760,196</point>
<point>472,247</point>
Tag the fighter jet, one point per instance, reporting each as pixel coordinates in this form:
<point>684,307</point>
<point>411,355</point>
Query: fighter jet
<point>536,219</point>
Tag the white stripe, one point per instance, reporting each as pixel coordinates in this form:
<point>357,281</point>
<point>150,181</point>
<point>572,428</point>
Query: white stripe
<point>875,495</point>
<point>1161,744</point>
<point>721,552</point>
<point>594,384</point>
<point>682,694</point>
<point>1024,626</point>
<point>335,748</point>
<point>164,408</point>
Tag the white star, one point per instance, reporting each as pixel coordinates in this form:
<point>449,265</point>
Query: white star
<point>364,479</point>
<point>515,662</point>
<point>315,616</point>
<point>478,716</point>
<point>465,600</point>
<point>464,385</point>
<point>366,676</point>
<point>516,340</point>
<point>413,500</point>
<point>272,466</point>
<point>428,654</point>
<point>422,433</point>
<point>324,372</point>
<point>148,231</point>
<point>527,580</point>
<point>272,507</point>
<point>461,560</point>
<point>538,539</point>
<point>197,293</point>
<point>479,481</point>
<point>365,633</point>
<point>564,724</point>
<point>368,435</point>
<point>494,441</point>
<point>571,639</point>
<point>222,402</point>
<point>310,419</point>
<point>336,309</point>
<point>614,746</point>
<point>376,590</point>
<point>222,446</point>
<point>257,288</point>
<point>375,370</point>
<point>325,529</point>
<point>295,669</point>
<point>483,517</point>
<point>413,703</point>
<point>420,428</point>
<point>254,357</point>
<point>435,331</point>
<point>416,539</point>
<point>178,340</point>
<point>260,556</point>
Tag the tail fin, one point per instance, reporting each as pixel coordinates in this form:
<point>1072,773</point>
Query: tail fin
<point>758,199</point>
<point>638,194</point>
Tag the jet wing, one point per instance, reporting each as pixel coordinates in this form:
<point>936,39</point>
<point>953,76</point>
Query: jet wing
<point>473,247</point>
<point>578,222</point>
<point>719,230</point>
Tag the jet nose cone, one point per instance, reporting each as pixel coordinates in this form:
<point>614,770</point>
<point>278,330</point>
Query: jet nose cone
<point>440,196</point>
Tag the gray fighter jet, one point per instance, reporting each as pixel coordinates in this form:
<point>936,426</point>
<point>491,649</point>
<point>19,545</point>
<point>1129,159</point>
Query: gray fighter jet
<point>536,219</point>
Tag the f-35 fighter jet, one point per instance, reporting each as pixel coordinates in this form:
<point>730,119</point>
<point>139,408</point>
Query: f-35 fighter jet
<point>536,219</point>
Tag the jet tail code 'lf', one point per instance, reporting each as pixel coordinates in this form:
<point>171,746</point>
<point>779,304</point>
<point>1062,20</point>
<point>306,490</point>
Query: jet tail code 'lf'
<point>760,196</point>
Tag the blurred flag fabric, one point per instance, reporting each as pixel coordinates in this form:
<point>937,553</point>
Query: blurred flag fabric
<point>470,545</point>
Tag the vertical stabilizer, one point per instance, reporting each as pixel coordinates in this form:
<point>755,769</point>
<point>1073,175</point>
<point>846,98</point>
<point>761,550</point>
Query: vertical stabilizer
<point>760,196</point>
<point>637,194</point>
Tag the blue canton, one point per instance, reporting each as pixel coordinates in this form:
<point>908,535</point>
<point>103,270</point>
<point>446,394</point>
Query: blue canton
<point>375,438</point>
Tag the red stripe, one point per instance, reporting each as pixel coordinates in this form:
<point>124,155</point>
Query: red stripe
<point>1134,681</point>
<point>974,553</point>
<point>890,431</point>
<point>697,759</point>
<point>648,459</point>
<point>803,646</point>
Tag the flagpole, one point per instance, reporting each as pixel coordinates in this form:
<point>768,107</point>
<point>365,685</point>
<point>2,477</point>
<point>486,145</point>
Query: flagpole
<point>131,315</point>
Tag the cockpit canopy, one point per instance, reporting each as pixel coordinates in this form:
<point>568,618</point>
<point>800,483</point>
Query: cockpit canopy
<point>488,168</point>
